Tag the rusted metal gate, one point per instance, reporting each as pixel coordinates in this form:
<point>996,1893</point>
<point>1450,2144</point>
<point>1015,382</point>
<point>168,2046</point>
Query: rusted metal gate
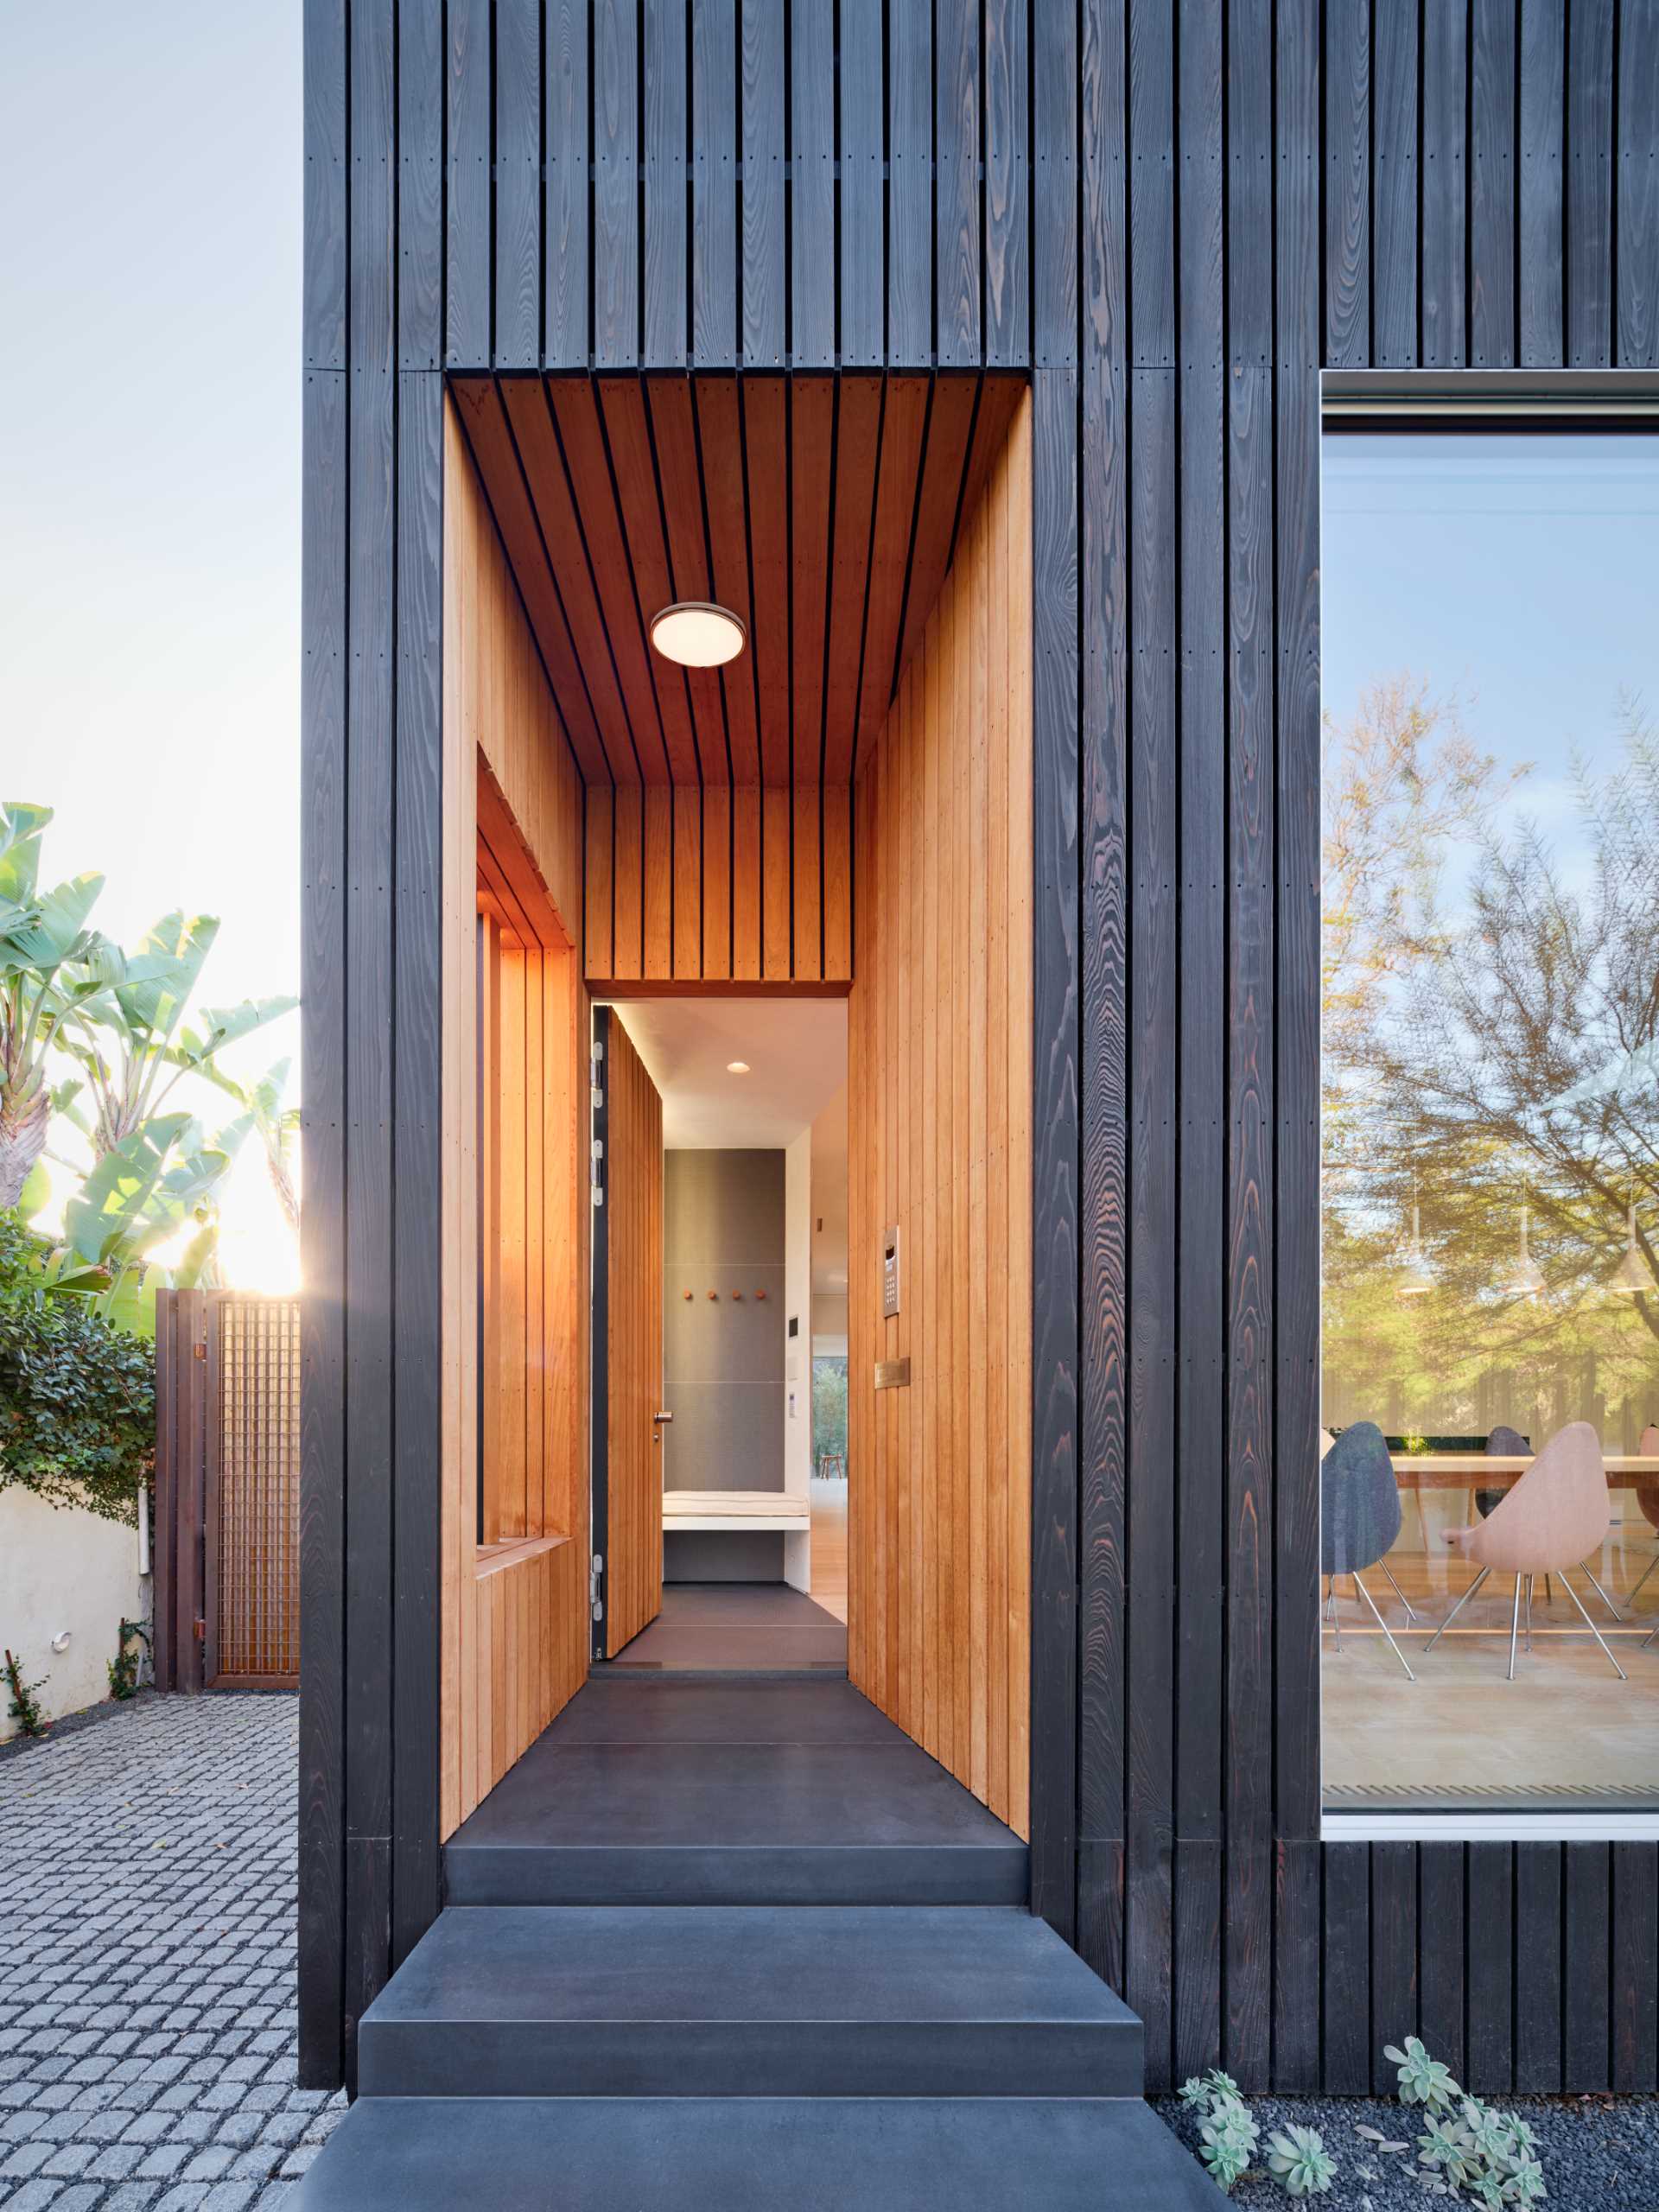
<point>227,1490</point>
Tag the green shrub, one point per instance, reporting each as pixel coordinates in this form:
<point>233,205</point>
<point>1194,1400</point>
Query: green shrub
<point>23,1705</point>
<point>77,1394</point>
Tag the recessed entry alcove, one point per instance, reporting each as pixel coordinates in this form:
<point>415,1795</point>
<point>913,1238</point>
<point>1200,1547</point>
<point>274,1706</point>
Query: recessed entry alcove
<point>841,811</point>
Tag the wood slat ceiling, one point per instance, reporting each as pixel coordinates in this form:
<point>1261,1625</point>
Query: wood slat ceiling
<point>823,510</point>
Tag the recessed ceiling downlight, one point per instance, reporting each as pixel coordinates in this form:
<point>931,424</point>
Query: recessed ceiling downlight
<point>697,634</point>
<point>737,1067</point>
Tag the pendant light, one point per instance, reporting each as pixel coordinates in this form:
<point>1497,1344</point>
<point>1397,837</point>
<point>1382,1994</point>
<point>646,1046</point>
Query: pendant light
<point>1418,1277</point>
<point>1633,1275</point>
<point>1525,1278</point>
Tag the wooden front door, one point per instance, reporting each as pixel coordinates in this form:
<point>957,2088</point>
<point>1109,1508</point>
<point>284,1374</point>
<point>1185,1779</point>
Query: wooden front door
<point>627,1338</point>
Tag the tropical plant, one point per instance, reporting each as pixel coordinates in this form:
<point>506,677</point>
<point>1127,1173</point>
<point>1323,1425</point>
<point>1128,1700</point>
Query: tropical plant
<point>1297,2157</point>
<point>129,1037</point>
<point>278,1127</point>
<point>77,1393</point>
<point>41,932</point>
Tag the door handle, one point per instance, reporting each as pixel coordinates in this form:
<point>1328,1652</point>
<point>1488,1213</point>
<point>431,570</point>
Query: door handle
<point>662,1416</point>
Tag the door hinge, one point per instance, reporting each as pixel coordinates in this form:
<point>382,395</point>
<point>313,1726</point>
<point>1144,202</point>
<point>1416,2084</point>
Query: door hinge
<point>597,1172</point>
<point>595,1569</point>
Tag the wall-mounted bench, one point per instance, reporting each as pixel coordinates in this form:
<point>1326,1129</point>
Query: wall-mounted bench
<point>779,1512</point>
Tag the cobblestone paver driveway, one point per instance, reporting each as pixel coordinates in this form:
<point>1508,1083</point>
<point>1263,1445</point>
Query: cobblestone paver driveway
<point>147,2035</point>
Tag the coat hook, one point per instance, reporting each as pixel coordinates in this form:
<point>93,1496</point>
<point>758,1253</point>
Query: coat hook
<point>738,1296</point>
<point>688,1293</point>
<point>713,1294</point>
<point>761,1293</point>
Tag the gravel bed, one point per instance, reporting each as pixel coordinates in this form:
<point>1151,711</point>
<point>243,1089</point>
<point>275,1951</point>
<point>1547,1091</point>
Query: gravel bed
<point>1596,2152</point>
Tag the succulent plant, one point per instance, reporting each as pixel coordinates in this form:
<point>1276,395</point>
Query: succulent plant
<point>1227,2140</point>
<point>1447,2144</point>
<point>1297,2157</point>
<point>1423,2079</point>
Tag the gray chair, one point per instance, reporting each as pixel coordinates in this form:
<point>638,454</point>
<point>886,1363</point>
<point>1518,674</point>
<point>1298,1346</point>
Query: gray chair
<point>1359,1521</point>
<point>1503,1442</point>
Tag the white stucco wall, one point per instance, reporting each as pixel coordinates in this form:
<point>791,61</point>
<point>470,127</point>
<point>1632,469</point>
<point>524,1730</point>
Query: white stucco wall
<point>65,1570</point>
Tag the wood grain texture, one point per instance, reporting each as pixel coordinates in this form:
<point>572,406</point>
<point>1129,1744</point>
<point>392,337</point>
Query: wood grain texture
<point>633,1478</point>
<point>939,1126</point>
<point>512,1611</point>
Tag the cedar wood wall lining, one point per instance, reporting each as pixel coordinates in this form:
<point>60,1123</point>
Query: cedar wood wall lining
<point>1446,182</point>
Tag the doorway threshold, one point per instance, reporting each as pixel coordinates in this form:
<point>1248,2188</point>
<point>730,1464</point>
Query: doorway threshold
<point>736,1627</point>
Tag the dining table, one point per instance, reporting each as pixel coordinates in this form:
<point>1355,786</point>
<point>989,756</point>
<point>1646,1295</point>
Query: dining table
<point>1502,1470</point>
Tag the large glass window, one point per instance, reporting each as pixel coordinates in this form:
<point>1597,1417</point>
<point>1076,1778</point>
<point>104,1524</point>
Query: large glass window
<point>1490,1075</point>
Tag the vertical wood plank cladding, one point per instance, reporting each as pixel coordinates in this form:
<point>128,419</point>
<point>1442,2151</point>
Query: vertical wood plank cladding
<point>327,263</point>
<point>1007,184</point>
<point>904,423</point>
<point>687,880</point>
<point>1056,1044</point>
<point>1491,184</point>
<point>420,187</point>
<point>1394,1954</point>
<point>566,233</point>
<point>1105,617</point>
<point>1394,267</point>
<point>910,189</point>
<point>764,199</point>
<point>1590,184</point>
<point>1543,80</point>
<point>657,897</point>
<point>1054,190</point>
<point>597,846</point>
<point>1538,1967</point>
<point>1637,187</point>
<point>860,90</point>
<point>1296,1932</point>
<point>746,882</point>
<point>371,745</point>
<point>324,1019</point>
<point>1444,199</point>
<point>1586,1929</point>
<point>616,191</point>
<point>717,881</point>
<point>627,882</point>
<point>665,101</point>
<point>466,213</point>
<point>1296,945</point>
<point>1200,1413</point>
<point>776,881</point>
<point>1490,1917</point>
<point>1347,1980</point>
<point>1150,803</point>
<point>943,1139</point>
<point>1249,984</point>
<point>714,184</point>
<point>955,182</point>
<point>1635,1968</point>
<point>837,884</point>
<point>518,184</point>
<point>1348,184</point>
<point>514,1628</point>
<point>417,1237</point>
<point>812,184</point>
<point>1442,1992</point>
<point>633,1578</point>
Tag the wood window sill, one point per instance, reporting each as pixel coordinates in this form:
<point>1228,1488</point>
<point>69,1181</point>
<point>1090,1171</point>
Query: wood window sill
<point>491,1558</point>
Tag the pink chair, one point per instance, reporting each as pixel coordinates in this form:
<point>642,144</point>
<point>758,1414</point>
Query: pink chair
<point>1555,1515</point>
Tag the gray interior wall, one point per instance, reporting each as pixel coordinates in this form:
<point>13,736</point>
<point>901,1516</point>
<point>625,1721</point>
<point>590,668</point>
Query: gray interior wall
<point>723,1356</point>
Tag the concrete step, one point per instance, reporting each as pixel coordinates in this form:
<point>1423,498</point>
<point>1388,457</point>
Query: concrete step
<point>768,2001</point>
<point>816,2154</point>
<point>844,1813</point>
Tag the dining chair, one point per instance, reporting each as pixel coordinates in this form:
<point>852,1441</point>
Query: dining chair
<point>1359,1521</point>
<point>1557,1512</point>
<point>1647,1497</point>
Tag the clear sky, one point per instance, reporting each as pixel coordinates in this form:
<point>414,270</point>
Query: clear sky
<point>149,465</point>
<point>1520,573</point>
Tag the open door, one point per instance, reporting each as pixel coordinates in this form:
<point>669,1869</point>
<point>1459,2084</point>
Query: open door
<point>627,1340</point>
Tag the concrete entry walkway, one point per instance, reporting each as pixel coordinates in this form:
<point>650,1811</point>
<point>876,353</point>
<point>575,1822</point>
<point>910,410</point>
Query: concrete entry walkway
<point>736,1940</point>
<point>738,1627</point>
<point>657,1789</point>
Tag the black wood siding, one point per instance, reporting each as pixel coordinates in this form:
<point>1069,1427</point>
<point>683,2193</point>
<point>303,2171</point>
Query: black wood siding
<point>1174,214</point>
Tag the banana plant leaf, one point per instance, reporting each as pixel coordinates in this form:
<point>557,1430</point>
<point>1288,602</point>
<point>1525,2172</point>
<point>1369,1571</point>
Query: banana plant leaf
<point>40,935</point>
<point>228,1025</point>
<point>177,945</point>
<point>21,825</point>
<point>113,1208</point>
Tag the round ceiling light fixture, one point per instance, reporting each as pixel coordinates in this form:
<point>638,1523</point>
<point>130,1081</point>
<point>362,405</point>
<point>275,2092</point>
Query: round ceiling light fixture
<point>697,633</point>
<point>737,1067</point>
